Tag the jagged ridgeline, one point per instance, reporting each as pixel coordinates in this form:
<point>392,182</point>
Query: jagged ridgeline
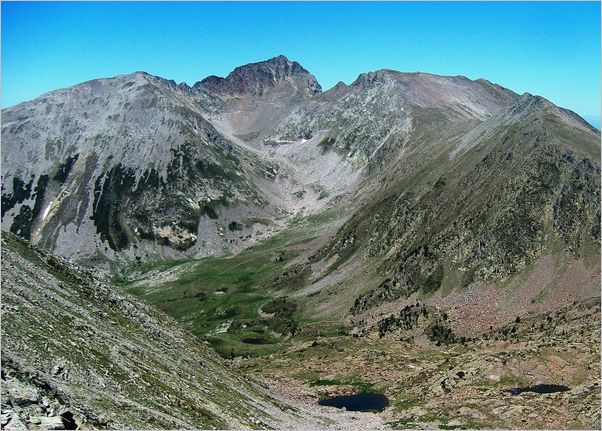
<point>442,180</point>
<point>137,167</point>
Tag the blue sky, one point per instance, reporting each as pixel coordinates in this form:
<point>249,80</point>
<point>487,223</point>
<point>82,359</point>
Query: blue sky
<point>550,49</point>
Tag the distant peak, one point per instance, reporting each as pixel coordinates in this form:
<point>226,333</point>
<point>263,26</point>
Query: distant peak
<point>383,75</point>
<point>278,59</point>
<point>257,79</point>
<point>371,77</point>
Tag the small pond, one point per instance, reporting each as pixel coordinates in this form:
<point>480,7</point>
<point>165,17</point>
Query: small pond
<point>539,389</point>
<point>358,403</point>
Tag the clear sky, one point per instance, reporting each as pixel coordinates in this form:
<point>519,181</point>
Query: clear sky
<point>550,49</point>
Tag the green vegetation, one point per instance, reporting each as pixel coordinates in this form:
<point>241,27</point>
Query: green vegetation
<point>249,222</point>
<point>65,168</point>
<point>433,282</point>
<point>234,225</point>
<point>234,302</point>
<point>23,222</point>
<point>492,211</point>
<point>211,207</point>
<point>280,306</point>
<point>358,384</point>
<point>21,191</point>
<point>440,333</point>
<point>299,194</point>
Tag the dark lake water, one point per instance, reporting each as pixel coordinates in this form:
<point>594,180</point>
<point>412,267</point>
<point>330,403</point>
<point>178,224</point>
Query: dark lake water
<point>539,389</point>
<point>358,403</point>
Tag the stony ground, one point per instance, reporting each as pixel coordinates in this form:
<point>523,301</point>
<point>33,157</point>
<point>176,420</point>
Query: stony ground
<point>458,385</point>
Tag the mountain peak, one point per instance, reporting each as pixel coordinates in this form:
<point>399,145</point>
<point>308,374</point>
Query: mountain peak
<point>258,79</point>
<point>279,59</point>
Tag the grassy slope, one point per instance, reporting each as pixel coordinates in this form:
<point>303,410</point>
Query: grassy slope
<point>487,215</point>
<point>212,294</point>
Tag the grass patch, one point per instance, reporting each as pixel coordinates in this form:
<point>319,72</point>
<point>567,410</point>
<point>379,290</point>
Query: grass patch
<point>214,292</point>
<point>360,385</point>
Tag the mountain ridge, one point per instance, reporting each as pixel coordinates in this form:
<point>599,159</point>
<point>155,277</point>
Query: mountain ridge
<point>278,60</point>
<point>260,77</point>
<point>438,231</point>
<point>282,151</point>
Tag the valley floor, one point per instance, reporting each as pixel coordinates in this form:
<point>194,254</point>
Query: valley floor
<point>283,326</point>
<point>457,386</point>
<point>244,306</point>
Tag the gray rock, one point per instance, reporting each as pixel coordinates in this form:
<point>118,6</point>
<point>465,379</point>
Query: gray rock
<point>47,423</point>
<point>156,341</point>
<point>5,417</point>
<point>21,394</point>
<point>15,423</point>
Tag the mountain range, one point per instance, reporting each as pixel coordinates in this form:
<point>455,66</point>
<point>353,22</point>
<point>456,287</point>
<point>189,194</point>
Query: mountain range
<point>344,206</point>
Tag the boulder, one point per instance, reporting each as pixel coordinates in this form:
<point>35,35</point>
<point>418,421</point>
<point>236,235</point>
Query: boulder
<point>15,423</point>
<point>47,423</point>
<point>21,394</point>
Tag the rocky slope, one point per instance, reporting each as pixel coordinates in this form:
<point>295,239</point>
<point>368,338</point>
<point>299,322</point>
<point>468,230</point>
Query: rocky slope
<point>75,349</point>
<point>404,219</point>
<point>385,113</point>
<point>458,385</point>
<point>444,183</point>
<point>136,167</point>
<point>524,184</point>
<point>130,167</point>
<point>108,165</point>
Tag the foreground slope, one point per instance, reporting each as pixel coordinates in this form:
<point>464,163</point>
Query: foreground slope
<point>76,351</point>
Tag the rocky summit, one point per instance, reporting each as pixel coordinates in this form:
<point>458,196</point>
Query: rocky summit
<point>227,254</point>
